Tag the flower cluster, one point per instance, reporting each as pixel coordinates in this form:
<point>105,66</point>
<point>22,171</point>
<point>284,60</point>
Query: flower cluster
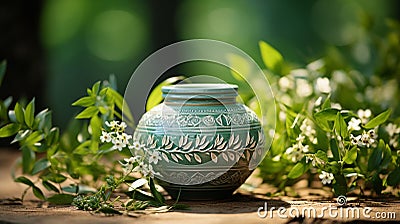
<point>393,131</point>
<point>296,151</point>
<point>365,139</point>
<point>142,159</point>
<point>308,130</point>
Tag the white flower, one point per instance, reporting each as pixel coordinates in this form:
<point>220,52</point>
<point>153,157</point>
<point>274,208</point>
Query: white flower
<point>313,161</point>
<point>364,115</point>
<point>154,156</point>
<point>394,141</point>
<point>285,83</point>
<point>128,165</point>
<point>318,101</point>
<point>365,139</point>
<point>308,130</point>
<point>300,138</point>
<point>326,178</point>
<point>118,144</point>
<point>151,172</point>
<point>355,139</point>
<point>303,88</point>
<point>135,145</point>
<point>113,124</point>
<point>105,136</point>
<point>354,124</point>
<point>122,126</point>
<point>323,86</point>
<point>392,129</point>
<point>142,168</point>
<point>336,106</point>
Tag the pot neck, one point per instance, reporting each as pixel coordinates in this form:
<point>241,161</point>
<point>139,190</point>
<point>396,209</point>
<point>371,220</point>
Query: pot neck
<point>199,94</point>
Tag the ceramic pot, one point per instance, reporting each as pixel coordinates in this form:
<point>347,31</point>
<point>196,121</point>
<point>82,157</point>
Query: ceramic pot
<point>207,142</point>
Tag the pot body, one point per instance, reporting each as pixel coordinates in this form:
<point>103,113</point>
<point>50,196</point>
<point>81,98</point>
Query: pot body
<point>208,144</point>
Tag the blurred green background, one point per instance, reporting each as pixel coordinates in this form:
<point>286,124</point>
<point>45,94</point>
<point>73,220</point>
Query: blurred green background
<point>56,49</point>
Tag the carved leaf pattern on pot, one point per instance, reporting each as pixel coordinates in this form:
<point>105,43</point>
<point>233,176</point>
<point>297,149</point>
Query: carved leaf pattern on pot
<point>201,143</point>
<point>166,142</point>
<point>197,158</point>
<point>165,157</point>
<point>219,142</point>
<point>224,156</point>
<point>214,157</point>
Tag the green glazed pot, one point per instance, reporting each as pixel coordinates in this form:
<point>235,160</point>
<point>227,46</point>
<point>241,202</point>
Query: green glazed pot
<point>208,144</point>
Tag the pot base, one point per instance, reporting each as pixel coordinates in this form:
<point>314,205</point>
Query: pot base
<point>199,192</point>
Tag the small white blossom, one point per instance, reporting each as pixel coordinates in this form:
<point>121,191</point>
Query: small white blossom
<point>313,161</point>
<point>364,115</point>
<point>105,137</point>
<point>303,88</point>
<point>318,102</point>
<point>392,129</point>
<point>154,156</point>
<point>117,144</point>
<point>323,85</point>
<point>326,178</point>
<point>112,124</point>
<point>135,145</point>
<point>285,83</point>
<point>336,106</point>
<point>128,165</point>
<point>122,126</point>
<point>354,124</point>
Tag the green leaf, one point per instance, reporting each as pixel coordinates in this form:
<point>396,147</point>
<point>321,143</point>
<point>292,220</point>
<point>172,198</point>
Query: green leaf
<point>121,104</point>
<point>80,189</point>
<point>271,57</point>
<point>380,119</point>
<point>43,120</point>
<point>322,155</point>
<point>376,156</point>
<point>350,156</point>
<point>9,130</point>
<point>30,113</point>
<point>28,159</point>
<point>140,195</point>
<point>95,124</point>
<point>323,118</point>
<point>55,177</point>
<point>40,165</point>
<point>155,96</point>
<point>33,138</point>
<point>61,199</point>
<point>340,185</point>
<point>138,183</point>
<point>334,149</point>
<point>38,193</point>
<point>86,101</point>
<point>19,113</point>
<point>340,126</point>
<point>96,88</point>
<point>3,67</point>
<point>298,170</point>
<point>53,136</point>
<point>88,113</point>
<point>387,157</point>
<point>157,195</point>
<point>394,177</point>
<point>49,186</point>
<point>377,183</point>
<point>24,180</point>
